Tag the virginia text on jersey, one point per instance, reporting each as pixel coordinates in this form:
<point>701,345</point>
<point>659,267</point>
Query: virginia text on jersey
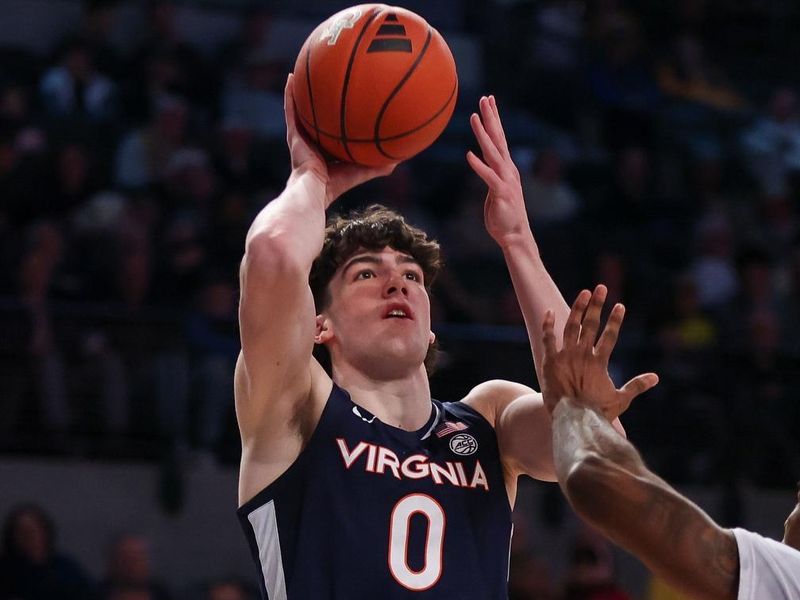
<point>372,511</point>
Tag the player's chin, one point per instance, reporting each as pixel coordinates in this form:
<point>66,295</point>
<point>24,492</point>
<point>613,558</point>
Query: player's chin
<point>406,349</point>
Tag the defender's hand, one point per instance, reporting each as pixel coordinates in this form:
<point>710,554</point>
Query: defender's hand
<point>580,369</point>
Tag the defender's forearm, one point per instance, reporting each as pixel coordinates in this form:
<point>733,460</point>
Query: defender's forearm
<point>579,431</point>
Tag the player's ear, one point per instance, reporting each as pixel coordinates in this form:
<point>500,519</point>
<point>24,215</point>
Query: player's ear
<point>323,331</point>
<point>431,338</point>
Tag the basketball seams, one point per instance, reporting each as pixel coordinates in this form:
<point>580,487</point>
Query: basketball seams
<point>390,138</point>
<point>435,116</point>
<point>311,94</point>
<point>364,112</point>
<point>395,91</point>
<point>345,84</point>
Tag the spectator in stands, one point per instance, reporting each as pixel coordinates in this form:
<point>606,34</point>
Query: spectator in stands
<point>23,148</point>
<point>757,293</point>
<point>530,575</point>
<point>37,273</point>
<point>689,74</point>
<point>74,87</point>
<point>213,339</point>
<point>590,572</point>
<point>228,589</point>
<point>74,178</point>
<point>252,38</point>
<point>771,144</point>
<point>163,38</point>
<point>766,376</point>
<point>704,106</point>
<point>125,591</point>
<point>129,569</point>
<point>31,568</point>
<point>254,98</point>
<point>620,75</point>
<point>686,328</point>
<point>98,21</point>
<point>550,199</point>
<point>545,40</point>
<point>713,268</point>
<point>144,153</point>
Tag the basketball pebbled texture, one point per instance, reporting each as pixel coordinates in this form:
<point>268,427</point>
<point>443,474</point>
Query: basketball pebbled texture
<point>375,84</point>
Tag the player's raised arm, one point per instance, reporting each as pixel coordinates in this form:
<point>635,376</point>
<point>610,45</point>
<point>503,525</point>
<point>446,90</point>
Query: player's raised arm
<point>276,312</point>
<point>520,420</point>
<point>506,221</point>
<point>523,424</point>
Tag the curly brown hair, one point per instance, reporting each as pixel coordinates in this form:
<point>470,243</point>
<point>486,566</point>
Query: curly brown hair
<point>373,228</point>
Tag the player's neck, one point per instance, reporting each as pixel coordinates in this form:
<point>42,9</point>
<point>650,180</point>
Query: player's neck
<point>403,402</point>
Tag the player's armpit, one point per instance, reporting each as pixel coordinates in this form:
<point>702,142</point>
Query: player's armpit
<point>675,538</point>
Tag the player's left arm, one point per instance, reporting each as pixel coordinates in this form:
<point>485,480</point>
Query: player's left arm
<point>506,220</point>
<point>522,424</point>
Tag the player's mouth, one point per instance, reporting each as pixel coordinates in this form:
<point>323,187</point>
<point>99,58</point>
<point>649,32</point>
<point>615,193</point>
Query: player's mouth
<point>397,311</point>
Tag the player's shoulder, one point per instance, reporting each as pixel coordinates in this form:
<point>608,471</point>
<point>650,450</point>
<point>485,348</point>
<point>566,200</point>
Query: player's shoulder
<point>491,397</point>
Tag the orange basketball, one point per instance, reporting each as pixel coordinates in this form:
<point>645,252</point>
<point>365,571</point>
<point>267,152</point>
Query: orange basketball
<point>375,84</point>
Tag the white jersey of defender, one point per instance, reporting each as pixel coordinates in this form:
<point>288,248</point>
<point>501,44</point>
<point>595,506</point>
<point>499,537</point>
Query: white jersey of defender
<point>767,569</point>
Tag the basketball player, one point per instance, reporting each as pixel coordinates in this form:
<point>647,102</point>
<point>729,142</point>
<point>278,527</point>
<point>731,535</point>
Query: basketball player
<point>360,485</point>
<point>607,483</point>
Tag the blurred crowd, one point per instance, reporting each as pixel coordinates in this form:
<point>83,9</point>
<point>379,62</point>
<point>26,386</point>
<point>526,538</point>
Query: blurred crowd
<point>34,566</point>
<point>659,150</point>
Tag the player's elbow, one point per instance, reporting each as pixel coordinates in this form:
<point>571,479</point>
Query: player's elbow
<point>270,252</point>
<point>584,479</point>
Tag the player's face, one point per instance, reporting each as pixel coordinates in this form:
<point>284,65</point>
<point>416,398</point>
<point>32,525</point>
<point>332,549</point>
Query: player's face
<point>379,314</point>
<point>791,528</point>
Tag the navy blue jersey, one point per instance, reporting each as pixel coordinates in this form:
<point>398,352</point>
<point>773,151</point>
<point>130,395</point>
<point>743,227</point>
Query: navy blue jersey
<point>372,511</point>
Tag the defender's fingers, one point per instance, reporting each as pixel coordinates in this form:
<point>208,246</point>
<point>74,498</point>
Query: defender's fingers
<point>591,319</point>
<point>550,349</point>
<point>572,329</point>
<point>610,335</point>
<point>638,385</point>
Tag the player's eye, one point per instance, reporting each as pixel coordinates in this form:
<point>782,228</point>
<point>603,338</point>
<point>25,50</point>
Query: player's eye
<point>412,276</point>
<point>365,274</point>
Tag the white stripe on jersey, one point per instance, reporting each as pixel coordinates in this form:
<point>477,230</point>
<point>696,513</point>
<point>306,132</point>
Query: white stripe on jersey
<point>265,527</point>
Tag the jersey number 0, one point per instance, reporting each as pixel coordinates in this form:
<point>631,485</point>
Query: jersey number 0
<point>399,526</point>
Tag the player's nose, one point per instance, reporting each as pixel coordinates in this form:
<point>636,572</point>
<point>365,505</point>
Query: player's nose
<point>396,284</point>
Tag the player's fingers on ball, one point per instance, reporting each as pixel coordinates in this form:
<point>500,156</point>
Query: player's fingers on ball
<point>572,328</point>
<point>610,335</point>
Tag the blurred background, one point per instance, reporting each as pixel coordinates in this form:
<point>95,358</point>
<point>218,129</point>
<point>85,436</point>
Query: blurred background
<point>659,148</point>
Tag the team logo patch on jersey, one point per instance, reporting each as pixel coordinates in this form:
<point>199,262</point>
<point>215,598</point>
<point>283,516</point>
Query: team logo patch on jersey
<point>463,444</point>
<point>357,413</point>
<point>448,427</point>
